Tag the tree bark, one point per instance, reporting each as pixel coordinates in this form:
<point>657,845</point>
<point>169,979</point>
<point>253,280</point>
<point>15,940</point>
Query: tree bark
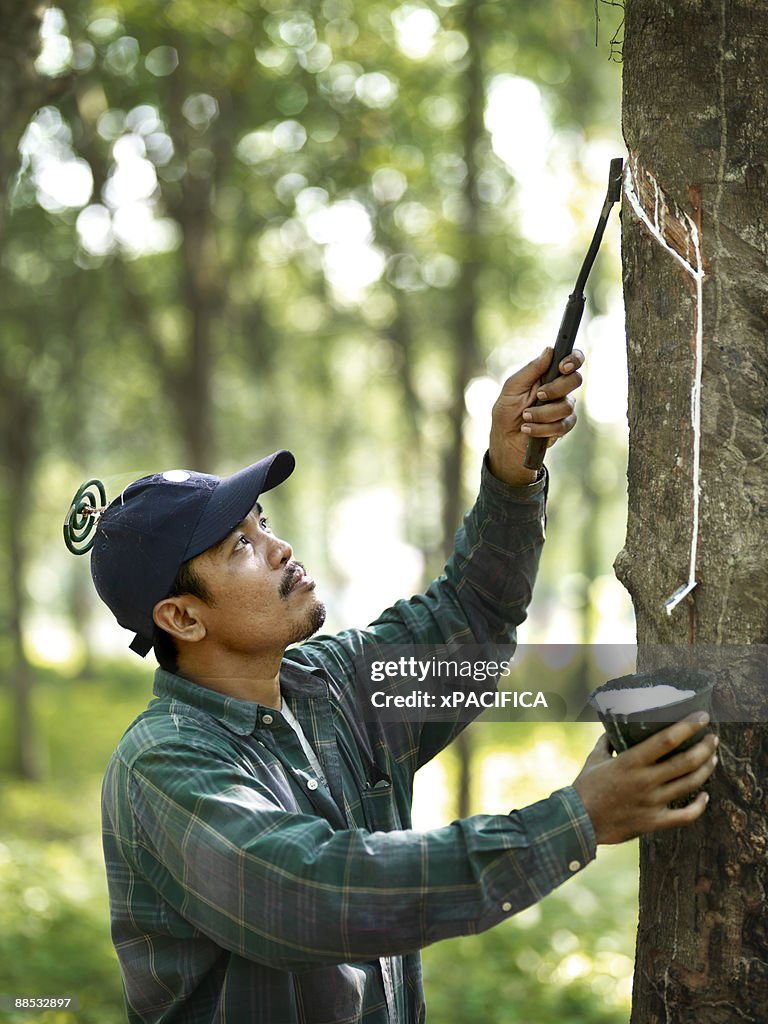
<point>696,125</point>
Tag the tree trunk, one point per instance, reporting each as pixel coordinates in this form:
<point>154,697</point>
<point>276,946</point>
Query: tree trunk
<point>466,354</point>
<point>21,92</point>
<point>695,237</point>
<point>17,455</point>
<point>202,278</point>
<point>21,89</point>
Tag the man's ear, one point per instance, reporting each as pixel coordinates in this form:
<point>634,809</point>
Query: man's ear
<point>179,616</point>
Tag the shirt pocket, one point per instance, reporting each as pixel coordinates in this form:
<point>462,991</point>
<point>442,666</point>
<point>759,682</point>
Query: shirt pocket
<point>379,810</point>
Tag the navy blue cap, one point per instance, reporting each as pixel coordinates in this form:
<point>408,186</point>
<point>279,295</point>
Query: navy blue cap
<point>159,522</point>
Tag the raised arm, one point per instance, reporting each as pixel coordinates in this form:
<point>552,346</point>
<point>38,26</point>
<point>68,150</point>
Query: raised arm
<point>486,588</point>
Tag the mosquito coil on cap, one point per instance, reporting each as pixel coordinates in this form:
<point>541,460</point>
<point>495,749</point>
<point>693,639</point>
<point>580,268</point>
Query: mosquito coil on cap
<point>83,516</point>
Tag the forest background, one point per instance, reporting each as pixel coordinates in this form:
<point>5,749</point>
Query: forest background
<point>334,228</point>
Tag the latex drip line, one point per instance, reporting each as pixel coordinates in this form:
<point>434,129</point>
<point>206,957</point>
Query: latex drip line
<point>694,268</point>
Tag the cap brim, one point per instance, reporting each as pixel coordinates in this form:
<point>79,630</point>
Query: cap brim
<point>234,498</point>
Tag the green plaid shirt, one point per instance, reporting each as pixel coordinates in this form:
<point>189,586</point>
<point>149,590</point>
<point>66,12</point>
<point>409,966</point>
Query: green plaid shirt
<point>242,889</point>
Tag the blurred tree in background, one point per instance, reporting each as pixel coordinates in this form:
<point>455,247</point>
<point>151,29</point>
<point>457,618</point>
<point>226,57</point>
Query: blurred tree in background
<point>22,90</point>
<point>333,227</point>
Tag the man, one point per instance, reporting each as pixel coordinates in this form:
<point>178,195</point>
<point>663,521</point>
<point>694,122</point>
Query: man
<point>257,836</point>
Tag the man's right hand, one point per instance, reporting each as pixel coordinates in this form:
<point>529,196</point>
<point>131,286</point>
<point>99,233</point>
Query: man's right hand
<point>630,794</point>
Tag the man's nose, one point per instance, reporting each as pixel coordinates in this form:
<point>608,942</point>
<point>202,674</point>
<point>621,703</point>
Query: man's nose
<point>280,552</point>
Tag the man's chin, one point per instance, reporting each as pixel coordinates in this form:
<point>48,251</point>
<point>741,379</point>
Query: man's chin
<point>312,623</point>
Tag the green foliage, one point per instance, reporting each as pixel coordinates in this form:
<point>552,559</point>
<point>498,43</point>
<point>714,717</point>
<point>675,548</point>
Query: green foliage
<point>54,929</point>
<point>566,960</point>
<point>54,920</point>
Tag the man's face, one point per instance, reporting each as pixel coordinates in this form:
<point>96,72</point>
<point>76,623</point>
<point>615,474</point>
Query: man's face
<point>262,599</point>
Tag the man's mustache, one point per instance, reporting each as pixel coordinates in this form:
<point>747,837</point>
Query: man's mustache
<point>291,572</point>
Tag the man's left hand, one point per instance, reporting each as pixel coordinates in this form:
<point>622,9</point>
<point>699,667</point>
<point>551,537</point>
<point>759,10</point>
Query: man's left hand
<point>515,419</point>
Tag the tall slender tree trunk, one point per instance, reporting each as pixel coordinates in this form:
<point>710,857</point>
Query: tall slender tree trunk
<point>695,240</point>
<point>18,454</point>
<point>22,90</point>
<point>194,394</point>
<point>201,279</point>
<point>466,355</point>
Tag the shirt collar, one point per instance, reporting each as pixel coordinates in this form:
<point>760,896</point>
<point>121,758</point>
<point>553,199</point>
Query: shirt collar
<point>239,716</point>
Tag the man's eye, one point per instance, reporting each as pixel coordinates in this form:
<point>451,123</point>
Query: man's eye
<point>242,541</point>
<point>264,523</point>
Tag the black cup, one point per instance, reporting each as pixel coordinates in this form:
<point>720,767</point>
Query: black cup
<point>625,730</point>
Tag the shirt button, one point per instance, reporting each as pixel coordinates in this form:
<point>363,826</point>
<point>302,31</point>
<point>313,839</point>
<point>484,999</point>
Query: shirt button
<point>312,784</point>
<point>267,719</point>
<point>574,865</point>
<point>506,907</point>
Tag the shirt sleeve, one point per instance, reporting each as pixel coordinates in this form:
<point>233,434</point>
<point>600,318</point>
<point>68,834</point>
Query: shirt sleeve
<point>286,890</point>
<point>481,599</point>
